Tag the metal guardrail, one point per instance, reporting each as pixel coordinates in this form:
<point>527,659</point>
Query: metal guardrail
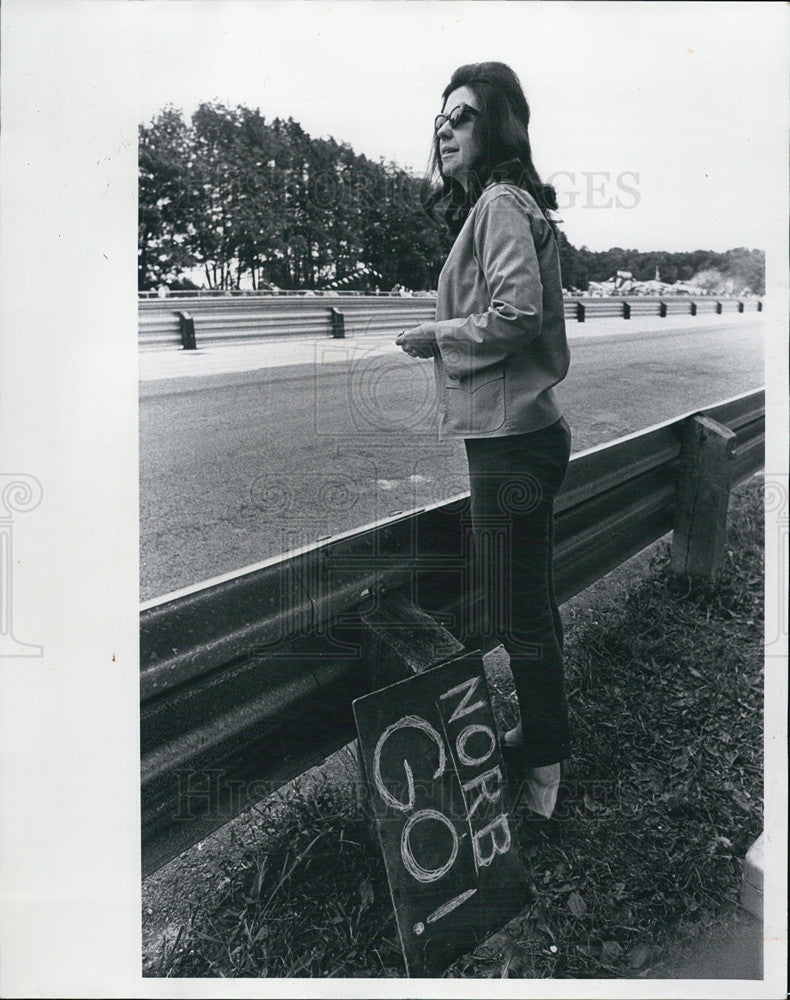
<point>229,319</point>
<point>247,680</point>
<point>246,319</point>
<point>264,293</point>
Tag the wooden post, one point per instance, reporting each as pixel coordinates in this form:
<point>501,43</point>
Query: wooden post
<point>718,308</point>
<point>580,312</point>
<point>693,308</point>
<point>662,309</point>
<point>405,640</point>
<point>703,496</point>
<point>626,310</point>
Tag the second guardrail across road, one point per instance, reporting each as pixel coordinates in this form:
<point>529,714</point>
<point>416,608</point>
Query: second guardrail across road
<point>166,323</point>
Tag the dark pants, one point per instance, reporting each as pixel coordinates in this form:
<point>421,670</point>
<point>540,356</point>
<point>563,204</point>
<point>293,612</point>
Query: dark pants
<point>513,483</point>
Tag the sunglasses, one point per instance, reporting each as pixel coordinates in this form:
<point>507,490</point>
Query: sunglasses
<point>457,116</point>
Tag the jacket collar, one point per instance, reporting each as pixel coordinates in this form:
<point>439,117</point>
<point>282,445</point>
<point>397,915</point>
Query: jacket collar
<point>456,204</point>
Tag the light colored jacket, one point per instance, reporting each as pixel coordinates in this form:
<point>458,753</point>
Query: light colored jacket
<point>500,326</point>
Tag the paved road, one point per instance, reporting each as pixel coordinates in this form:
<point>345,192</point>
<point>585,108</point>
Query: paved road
<point>239,465</point>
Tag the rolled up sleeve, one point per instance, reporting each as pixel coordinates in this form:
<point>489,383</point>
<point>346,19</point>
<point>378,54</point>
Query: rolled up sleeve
<point>505,251</point>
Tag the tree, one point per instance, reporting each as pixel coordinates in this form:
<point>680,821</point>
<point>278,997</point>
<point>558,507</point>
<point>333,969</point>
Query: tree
<point>572,264</point>
<point>167,199</point>
<point>241,197</point>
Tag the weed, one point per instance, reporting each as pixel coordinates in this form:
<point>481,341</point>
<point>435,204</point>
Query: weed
<point>665,694</point>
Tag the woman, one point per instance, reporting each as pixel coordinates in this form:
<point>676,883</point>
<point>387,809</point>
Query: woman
<point>499,347</point>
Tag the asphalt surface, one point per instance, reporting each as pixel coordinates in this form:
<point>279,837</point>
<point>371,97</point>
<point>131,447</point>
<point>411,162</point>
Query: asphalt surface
<point>250,451</point>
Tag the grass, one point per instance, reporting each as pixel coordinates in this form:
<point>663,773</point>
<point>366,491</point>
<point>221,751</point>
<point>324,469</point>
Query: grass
<point>665,692</point>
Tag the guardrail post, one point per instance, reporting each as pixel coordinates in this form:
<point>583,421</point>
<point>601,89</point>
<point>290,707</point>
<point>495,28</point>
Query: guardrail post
<point>693,308</point>
<point>740,305</point>
<point>187,328</point>
<point>718,307</point>
<point>662,309</point>
<point>759,305</point>
<point>580,312</point>
<point>407,640</point>
<point>626,310</point>
<point>338,323</point>
<point>404,641</point>
<point>703,496</point>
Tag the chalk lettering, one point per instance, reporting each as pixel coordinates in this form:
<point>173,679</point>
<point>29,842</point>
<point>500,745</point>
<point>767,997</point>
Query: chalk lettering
<point>500,823</point>
<point>407,722</point>
<point>481,783</point>
<point>409,862</point>
<point>449,906</point>
<point>464,708</point>
<point>463,739</point>
<point>439,795</point>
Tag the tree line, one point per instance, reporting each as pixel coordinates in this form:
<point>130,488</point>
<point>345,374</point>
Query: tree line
<point>715,272</point>
<point>238,199</point>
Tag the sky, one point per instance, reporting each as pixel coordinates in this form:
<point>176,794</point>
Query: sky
<point>661,124</point>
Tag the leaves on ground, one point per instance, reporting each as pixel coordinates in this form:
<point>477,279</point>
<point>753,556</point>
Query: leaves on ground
<point>665,692</point>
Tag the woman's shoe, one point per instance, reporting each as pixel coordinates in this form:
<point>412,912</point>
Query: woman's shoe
<point>539,789</point>
<point>542,787</point>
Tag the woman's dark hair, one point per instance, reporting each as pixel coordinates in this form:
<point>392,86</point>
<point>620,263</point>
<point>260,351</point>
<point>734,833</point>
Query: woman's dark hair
<point>502,133</point>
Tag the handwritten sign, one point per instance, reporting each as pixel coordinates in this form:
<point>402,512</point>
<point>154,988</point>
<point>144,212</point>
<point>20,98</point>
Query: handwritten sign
<point>436,780</point>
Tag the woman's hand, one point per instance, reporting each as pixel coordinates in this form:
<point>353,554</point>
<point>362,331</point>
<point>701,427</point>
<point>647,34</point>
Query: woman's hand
<point>419,342</point>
